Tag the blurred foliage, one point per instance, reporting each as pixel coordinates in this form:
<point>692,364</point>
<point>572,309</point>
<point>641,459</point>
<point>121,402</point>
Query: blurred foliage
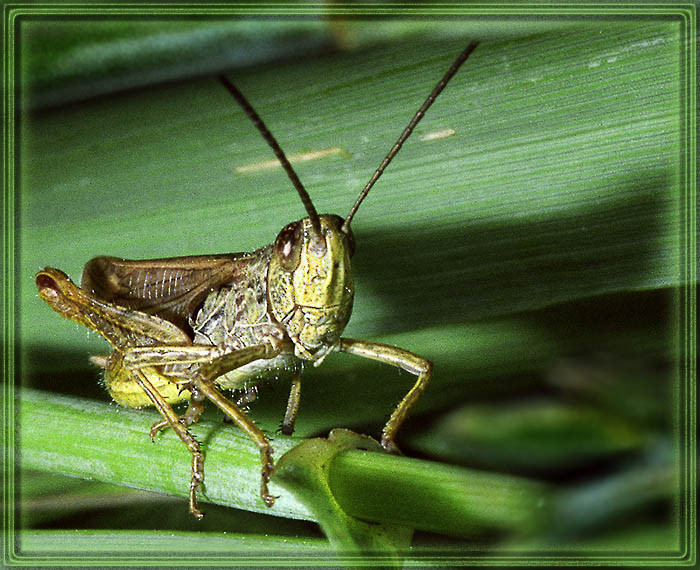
<point>534,255</point>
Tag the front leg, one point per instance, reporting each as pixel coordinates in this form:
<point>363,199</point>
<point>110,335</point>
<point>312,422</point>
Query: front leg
<point>290,415</point>
<point>400,358</point>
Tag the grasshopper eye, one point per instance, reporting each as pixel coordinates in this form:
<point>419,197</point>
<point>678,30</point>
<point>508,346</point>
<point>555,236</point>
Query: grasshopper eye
<point>288,246</point>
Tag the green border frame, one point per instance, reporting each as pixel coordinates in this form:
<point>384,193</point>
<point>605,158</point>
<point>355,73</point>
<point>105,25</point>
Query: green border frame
<point>686,12</point>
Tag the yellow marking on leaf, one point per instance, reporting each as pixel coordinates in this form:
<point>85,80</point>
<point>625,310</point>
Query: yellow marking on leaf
<point>300,157</point>
<point>443,134</point>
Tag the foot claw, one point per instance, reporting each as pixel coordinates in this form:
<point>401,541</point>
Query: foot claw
<point>156,427</point>
<point>390,447</point>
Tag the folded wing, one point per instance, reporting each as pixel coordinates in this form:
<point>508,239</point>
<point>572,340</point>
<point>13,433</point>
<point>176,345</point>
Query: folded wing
<point>170,288</point>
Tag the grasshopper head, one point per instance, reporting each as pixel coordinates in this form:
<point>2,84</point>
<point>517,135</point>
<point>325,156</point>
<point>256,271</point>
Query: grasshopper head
<point>310,290</point>
<point>309,285</point>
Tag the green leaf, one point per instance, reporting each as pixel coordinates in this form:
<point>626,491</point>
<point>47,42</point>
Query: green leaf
<point>117,450</point>
<point>531,436</point>
<point>305,472</point>
<point>129,547</point>
<point>67,60</point>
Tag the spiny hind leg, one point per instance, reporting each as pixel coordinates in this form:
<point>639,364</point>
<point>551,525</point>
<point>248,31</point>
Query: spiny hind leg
<point>183,433</point>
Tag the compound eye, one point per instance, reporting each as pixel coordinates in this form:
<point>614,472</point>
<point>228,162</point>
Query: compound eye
<point>288,246</point>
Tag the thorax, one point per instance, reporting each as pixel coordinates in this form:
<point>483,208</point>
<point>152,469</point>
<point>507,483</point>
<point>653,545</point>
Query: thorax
<point>237,316</point>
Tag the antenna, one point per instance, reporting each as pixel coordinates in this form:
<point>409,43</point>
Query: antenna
<point>408,130</point>
<point>279,153</point>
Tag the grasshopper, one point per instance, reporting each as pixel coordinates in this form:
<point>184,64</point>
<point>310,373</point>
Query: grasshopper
<point>182,328</point>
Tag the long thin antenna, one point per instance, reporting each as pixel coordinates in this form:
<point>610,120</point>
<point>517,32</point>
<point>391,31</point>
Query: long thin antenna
<point>279,153</point>
<point>408,130</point>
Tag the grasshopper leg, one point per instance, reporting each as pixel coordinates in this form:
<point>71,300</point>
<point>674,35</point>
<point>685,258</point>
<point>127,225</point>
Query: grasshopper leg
<point>156,427</point>
<point>400,358</point>
<point>183,433</point>
<point>247,425</point>
<point>203,384</point>
<point>143,356</point>
<point>194,409</point>
<point>290,415</point>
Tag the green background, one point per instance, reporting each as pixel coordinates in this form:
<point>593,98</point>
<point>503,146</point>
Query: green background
<point>535,256</point>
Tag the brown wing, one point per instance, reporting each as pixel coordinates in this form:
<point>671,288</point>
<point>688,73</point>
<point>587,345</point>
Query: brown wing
<point>170,288</point>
